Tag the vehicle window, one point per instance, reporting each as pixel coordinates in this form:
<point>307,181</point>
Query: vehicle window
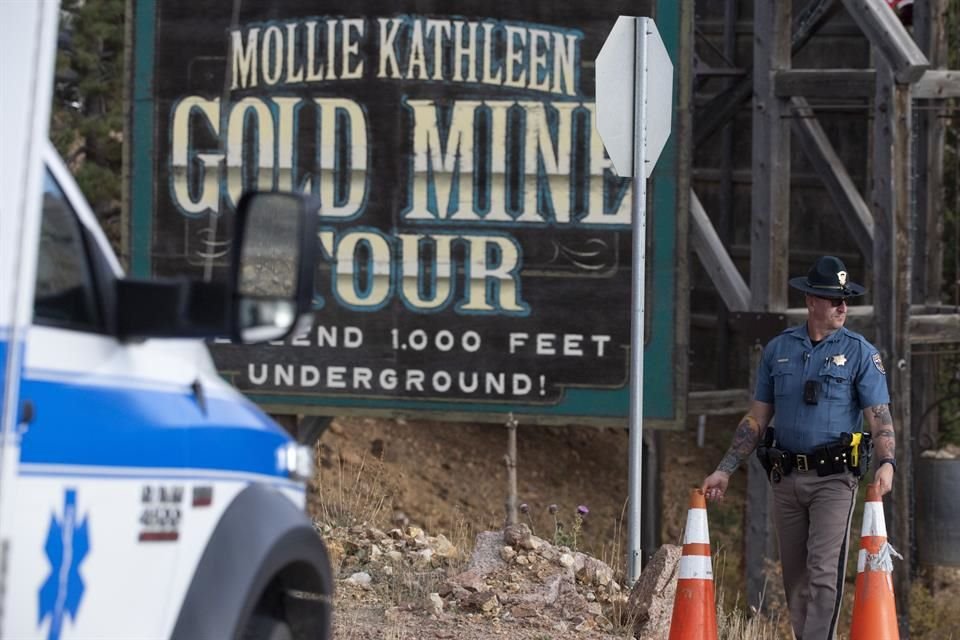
<point>65,293</point>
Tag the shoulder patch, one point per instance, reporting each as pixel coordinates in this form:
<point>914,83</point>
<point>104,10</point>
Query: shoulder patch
<point>878,363</point>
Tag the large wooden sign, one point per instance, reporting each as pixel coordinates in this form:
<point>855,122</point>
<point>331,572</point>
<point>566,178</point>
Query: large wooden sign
<point>474,240</point>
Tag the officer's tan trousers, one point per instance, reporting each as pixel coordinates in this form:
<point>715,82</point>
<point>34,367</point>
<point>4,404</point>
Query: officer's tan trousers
<point>812,515</point>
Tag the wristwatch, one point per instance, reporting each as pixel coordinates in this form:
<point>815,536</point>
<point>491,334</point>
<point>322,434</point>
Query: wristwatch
<point>891,461</point>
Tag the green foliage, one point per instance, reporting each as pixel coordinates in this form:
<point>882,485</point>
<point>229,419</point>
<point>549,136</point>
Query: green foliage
<point>87,123</point>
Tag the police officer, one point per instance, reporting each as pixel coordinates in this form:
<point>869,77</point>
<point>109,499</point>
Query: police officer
<point>819,381</point>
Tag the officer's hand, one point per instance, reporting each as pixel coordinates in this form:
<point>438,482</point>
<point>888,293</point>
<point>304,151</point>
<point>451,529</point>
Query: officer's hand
<point>715,485</point>
<point>883,478</point>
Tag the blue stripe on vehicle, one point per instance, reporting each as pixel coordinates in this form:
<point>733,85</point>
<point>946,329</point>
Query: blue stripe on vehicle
<point>103,473</point>
<point>3,371</point>
<point>88,425</point>
<point>3,363</point>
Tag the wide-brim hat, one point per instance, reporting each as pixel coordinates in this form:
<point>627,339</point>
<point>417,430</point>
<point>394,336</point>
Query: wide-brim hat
<point>827,278</point>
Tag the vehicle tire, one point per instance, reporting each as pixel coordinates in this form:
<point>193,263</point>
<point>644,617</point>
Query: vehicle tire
<point>265,627</point>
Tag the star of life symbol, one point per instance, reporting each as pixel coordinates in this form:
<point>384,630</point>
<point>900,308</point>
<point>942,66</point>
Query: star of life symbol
<point>842,278</point>
<point>839,359</point>
<point>67,546</point>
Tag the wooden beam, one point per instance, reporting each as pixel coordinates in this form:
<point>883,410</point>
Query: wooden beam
<point>885,32</point>
<point>724,214</point>
<point>859,83</point>
<point>938,83</point>
<point>770,217</point>
<point>929,20</point>
<point>846,197</point>
<point>935,329</point>
<point>891,297</point>
<point>924,328</point>
<point>825,83</point>
<point>798,180</point>
<point>716,261</point>
<point>931,122</point>
<point>769,241</point>
<point>719,402</point>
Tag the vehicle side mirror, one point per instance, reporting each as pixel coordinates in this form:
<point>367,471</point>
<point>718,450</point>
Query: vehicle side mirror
<point>274,253</point>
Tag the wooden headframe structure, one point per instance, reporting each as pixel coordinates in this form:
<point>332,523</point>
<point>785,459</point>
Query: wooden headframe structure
<point>896,224</point>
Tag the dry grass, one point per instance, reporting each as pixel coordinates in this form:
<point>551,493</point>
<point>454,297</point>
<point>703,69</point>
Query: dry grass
<point>934,614</point>
<point>342,500</point>
<point>736,624</point>
<point>735,621</point>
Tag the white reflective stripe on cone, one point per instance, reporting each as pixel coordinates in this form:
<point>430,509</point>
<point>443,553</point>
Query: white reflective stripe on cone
<point>695,568</point>
<point>696,527</point>
<point>873,524</point>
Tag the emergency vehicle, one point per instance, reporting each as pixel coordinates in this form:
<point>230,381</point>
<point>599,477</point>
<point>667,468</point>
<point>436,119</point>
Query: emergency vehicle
<point>140,495</point>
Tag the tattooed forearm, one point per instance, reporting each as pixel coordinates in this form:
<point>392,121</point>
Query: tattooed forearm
<point>881,427</point>
<point>881,414</point>
<point>884,446</point>
<point>745,440</point>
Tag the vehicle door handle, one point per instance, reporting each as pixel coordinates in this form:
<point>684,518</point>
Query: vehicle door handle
<point>27,413</point>
<point>199,396</point>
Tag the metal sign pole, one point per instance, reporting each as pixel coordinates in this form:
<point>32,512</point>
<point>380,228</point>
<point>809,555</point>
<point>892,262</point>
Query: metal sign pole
<point>622,114</point>
<point>634,558</point>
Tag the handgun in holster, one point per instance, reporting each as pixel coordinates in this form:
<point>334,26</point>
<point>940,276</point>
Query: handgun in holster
<point>763,449</point>
<point>776,462</point>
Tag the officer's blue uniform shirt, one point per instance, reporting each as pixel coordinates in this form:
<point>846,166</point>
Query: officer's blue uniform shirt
<point>851,378</point>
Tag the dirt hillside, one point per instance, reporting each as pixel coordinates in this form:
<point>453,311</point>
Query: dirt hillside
<point>450,479</point>
<point>445,476</point>
<point>422,491</point>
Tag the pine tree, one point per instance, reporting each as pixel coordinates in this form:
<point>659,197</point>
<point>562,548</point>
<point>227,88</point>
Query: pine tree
<point>87,121</point>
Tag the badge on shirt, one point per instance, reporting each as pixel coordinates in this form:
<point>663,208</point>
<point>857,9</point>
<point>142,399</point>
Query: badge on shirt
<point>879,363</point>
<point>839,359</point>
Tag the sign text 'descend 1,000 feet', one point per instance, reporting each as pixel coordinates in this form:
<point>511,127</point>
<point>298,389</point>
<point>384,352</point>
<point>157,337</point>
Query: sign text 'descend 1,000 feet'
<point>474,242</point>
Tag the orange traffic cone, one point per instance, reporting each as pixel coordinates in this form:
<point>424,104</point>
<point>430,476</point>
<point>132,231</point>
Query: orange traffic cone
<point>694,609</point>
<point>874,610</point>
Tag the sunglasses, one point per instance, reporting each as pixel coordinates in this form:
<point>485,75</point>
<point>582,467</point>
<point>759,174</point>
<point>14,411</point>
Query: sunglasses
<point>834,302</point>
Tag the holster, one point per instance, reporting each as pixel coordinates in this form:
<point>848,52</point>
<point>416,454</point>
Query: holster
<point>861,450</point>
<point>763,449</point>
<point>781,463</point>
<point>776,462</point>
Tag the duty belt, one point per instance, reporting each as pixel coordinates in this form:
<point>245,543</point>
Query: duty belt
<point>850,453</point>
<point>823,458</point>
